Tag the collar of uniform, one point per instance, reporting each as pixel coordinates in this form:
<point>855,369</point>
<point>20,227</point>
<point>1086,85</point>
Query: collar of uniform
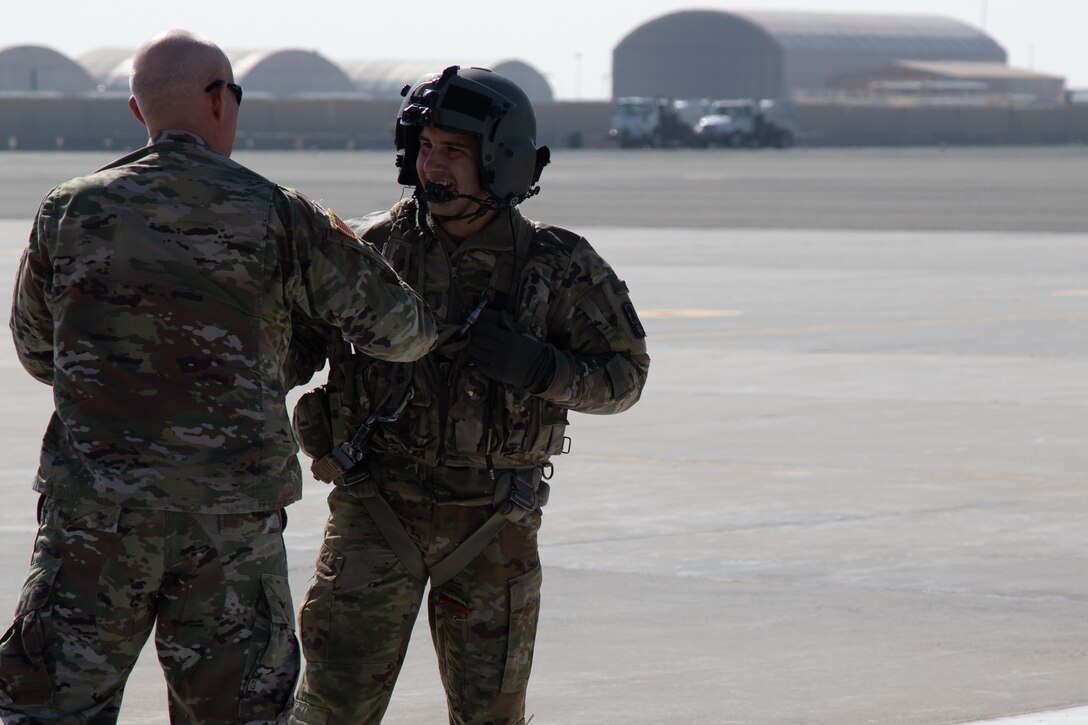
<point>499,234</point>
<point>179,135</point>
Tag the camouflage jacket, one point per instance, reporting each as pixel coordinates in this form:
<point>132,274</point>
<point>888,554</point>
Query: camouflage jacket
<point>563,293</point>
<point>156,298</point>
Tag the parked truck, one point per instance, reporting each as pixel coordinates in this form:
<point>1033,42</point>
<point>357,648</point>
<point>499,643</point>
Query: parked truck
<point>746,123</point>
<point>641,121</point>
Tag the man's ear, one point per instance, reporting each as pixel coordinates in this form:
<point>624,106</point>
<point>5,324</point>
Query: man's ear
<point>217,102</point>
<point>136,110</point>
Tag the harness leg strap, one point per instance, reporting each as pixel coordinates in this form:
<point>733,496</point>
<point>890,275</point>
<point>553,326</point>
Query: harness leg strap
<point>392,529</point>
<point>514,498</point>
<point>468,550</point>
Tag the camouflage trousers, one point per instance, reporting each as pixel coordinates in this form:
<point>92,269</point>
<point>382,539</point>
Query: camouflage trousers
<point>214,586</point>
<point>357,617</point>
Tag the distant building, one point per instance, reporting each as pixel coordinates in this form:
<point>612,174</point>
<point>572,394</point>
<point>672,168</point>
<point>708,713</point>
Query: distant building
<point>291,73</point>
<point>955,78</point>
<point>109,67</point>
<point>300,73</point>
<point>719,54</point>
<point>32,68</point>
<point>384,79</point>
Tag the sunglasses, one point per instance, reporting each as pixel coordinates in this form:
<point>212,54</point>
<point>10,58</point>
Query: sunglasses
<point>232,87</point>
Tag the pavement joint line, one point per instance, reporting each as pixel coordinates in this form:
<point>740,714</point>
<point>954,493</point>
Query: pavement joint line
<point>799,471</point>
<point>762,579</point>
<point>660,314</point>
<point>793,524</point>
<point>891,325</point>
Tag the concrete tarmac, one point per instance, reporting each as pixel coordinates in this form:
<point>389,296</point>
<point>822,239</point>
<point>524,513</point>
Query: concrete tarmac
<point>854,490</point>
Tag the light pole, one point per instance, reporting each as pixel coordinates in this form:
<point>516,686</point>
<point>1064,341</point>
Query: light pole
<point>578,75</point>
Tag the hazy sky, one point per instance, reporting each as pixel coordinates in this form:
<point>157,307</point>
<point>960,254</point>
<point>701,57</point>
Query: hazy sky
<point>570,41</point>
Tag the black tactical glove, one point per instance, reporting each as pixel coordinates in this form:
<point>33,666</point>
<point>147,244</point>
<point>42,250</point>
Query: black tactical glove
<point>503,352</point>
<point>307,352</point>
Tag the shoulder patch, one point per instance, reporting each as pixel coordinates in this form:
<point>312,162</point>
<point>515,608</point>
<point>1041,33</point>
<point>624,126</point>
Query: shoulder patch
<point>632,318</point>
<point>340,225</point>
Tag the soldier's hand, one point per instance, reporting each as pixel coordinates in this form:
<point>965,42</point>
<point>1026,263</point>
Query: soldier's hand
<point>307,352</point>
<point>504,353</point>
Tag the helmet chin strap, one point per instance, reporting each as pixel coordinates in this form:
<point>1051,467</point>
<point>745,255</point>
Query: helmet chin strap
<point>434,193</point>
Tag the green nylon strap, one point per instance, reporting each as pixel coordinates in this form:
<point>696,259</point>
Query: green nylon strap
<point>408,553</point>
<point>392,529</point>
<point>468,550</point>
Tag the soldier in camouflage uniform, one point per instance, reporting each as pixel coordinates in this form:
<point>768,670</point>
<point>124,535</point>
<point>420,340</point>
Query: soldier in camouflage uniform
<point>156,298</point>
<point>438,464</point>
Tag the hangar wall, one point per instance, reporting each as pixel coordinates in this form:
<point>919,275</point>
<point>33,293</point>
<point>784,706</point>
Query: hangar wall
<point>698,54</point>
<point>95,122</point>
<point>775,54</point>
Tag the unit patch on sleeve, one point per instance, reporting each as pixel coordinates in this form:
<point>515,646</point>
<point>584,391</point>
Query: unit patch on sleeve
<point>632,317</point>
<point>341,225</point>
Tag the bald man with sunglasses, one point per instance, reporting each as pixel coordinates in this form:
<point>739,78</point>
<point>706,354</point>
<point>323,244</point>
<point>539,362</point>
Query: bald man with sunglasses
<point>156,297</point>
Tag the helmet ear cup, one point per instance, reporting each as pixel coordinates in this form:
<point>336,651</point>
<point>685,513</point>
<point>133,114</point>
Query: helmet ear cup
<point>543,158</point>
<point>408,147</point>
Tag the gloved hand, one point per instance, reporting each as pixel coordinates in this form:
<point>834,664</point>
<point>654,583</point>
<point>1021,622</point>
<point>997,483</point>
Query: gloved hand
<point>503,352</point>
<point>308,350</point>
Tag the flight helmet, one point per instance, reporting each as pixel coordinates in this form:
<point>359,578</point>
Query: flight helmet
<point>487,105</point>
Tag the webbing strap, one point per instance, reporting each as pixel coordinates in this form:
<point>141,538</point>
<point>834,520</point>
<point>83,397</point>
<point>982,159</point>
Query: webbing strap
<point>392,529</point>
<point>408,553</point>
<point>468,550</point>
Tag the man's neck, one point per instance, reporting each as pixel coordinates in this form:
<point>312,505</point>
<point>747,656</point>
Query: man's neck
<point>461,229</point>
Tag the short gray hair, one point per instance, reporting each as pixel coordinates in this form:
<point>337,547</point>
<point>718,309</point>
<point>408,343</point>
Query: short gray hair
<point>172,67</point>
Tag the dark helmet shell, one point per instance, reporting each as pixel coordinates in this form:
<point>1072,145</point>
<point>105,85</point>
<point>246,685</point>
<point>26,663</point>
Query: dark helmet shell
<point>487,105</point>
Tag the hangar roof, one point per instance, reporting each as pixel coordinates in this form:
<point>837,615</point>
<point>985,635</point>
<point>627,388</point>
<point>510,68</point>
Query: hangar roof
<point>291,73</point>
<point>772,54</point>
<point>385,78</point>
<point>300,72</point>
<point>102,62</point>
<point>928,33</point>
<point>928,36</point>
<point>36,68</point>
<point>966,69</point>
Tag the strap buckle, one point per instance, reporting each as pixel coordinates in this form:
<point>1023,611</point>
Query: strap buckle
<point>522,494</point>
<point>347,455</point>
<point>516,495</point>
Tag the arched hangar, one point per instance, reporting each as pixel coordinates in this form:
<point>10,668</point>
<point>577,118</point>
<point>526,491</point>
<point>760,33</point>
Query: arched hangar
<point>291,73</point>
<point>776,54</point>
<point>260,72</point>
<point>33,68</point>
<point>384,79</point>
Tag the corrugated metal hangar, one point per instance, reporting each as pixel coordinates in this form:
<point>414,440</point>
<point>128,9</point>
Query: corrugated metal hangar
<point>955,79</point>
<point>719,54</point>
<point>384,79</point>
<point>852,79</point>
<point>278,73</point>
<point>32,68</point>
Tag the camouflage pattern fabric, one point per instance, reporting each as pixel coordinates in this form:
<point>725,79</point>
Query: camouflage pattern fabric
<point>357,617</point>
<point>101,577</point>
<point>156,297</point>
<point>566,295</point>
